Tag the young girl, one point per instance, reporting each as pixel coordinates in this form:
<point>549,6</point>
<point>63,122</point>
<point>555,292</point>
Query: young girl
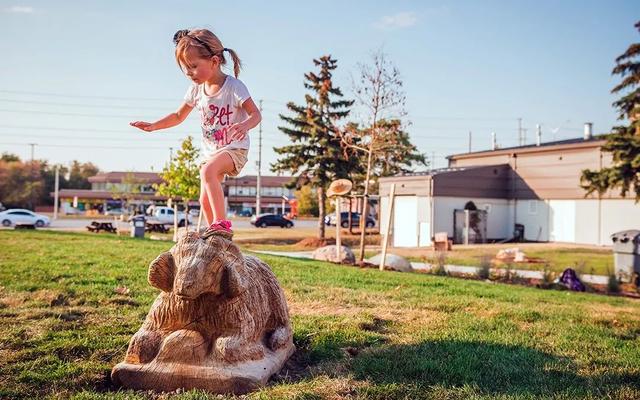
<point>227,112</point>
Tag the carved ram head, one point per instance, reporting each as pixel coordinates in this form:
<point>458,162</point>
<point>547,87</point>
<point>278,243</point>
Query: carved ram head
<point>195,266</point>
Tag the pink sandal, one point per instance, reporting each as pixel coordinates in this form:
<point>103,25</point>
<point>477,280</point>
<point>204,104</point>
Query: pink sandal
<point>222,225</point>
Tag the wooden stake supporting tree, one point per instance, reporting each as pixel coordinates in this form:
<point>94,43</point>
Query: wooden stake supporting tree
<point>392,194</point>
<point>339,188</point>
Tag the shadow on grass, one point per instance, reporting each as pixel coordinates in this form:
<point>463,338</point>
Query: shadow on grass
<point>483,368</point>
<point>494,369</point>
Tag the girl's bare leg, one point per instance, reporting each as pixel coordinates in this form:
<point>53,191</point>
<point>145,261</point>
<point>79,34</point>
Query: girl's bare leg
<point>212,173</point>
<point>205,207</point>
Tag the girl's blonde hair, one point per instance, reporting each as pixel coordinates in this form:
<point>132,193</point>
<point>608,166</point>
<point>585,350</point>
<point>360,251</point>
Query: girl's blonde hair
<point>206,44</point>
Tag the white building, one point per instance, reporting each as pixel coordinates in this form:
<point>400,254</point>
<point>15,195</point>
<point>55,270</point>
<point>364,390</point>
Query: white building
<point>536,186</point>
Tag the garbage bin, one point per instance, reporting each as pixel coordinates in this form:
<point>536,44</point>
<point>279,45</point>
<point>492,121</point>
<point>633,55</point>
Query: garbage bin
<point>626,254</point>
<point>137,226</point>
<point>518,233</point>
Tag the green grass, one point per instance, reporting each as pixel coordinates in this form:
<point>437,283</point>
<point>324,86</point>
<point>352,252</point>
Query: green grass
<point>360,333</point>
<point>584,260</point>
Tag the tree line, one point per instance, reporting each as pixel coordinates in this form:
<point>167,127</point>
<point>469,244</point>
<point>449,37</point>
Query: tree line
<point>28,184</point>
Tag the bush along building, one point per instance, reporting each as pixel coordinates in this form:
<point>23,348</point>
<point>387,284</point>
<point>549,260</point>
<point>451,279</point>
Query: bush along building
<point>527,192</point>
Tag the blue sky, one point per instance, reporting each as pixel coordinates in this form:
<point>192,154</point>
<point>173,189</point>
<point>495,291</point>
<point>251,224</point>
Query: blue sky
<point>74,73</point>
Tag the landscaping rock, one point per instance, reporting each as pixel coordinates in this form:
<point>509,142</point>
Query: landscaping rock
<point>511,255</point>
<point>392,262</point>
<point>328,253</point>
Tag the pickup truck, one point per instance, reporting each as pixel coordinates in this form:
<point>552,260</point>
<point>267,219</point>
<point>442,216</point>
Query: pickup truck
<point>165,216</point>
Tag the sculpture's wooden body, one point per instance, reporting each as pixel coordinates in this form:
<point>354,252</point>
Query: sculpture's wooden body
<point>221,322</point>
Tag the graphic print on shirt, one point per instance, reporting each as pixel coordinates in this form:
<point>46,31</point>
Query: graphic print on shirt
<point>215,122</point>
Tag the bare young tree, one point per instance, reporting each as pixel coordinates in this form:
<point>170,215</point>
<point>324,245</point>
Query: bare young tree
<point>378,90</point>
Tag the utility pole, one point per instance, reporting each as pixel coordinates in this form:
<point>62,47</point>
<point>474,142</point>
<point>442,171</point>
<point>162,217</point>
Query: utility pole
<point>33,206</point>
<point>469,141</point>
<point>57,193</point>
<point>519,131</point>
<point>33,145</point>
<point>258,182</point>
<point>170,154</point>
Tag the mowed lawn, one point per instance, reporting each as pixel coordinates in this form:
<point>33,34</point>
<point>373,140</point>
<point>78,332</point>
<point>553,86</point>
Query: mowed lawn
<point>360,333</point>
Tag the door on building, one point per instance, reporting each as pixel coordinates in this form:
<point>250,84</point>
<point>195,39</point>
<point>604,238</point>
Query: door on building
<point>563,220</point>
<point>405,221</point>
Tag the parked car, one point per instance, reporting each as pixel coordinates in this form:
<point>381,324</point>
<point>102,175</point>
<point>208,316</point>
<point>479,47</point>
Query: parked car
<point>330,220</point>
<point>244,213</point>
<point>264,220</point>
<point>19,216</point>
<point>114,211</point>
<point>165,215</point>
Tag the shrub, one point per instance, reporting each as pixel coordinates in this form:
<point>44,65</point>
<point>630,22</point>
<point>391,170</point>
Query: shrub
<point>438,264</point>
<point>613,284</point>
<point>484,270</point>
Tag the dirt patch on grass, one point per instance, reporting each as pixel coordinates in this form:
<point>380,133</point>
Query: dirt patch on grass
<point>313,243</point>
<point>11,301</point>
<point>597,311</point>
<point>321,387</point>
<point>378,325</point>
<point>401,316</point>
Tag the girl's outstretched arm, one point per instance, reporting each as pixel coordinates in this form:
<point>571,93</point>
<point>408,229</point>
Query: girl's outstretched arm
<point>239,130</point>
<point>170,120</point>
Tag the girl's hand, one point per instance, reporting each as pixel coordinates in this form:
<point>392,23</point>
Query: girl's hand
<point>145,126</point>
<point>236,132</point>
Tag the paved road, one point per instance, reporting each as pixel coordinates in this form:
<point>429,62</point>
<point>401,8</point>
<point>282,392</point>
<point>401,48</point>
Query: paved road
<point>80,224</point>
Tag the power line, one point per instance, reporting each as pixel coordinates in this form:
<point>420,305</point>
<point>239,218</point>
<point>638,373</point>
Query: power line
<point>84,129</point>
<point>82,138</point>
<point>86,146</point>
<point>38,112</point>
<point>83,96</point>
<point>80,105</point>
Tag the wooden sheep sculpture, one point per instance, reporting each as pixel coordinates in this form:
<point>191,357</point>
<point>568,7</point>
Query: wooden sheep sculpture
<point>220,323</point>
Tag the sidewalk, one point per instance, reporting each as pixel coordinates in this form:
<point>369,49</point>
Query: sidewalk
<point>456,269</point>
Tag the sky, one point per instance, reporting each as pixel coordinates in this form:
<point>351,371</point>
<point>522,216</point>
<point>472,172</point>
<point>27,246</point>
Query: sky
<point>73,74</point>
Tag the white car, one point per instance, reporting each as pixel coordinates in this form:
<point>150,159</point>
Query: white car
<point>19,216</point>
<point>165,215</point>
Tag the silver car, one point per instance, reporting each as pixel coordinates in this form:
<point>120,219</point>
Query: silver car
<point>19,216</point>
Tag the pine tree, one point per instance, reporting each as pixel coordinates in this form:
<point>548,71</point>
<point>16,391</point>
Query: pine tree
<point>624,142</point>
<point>316,152</point>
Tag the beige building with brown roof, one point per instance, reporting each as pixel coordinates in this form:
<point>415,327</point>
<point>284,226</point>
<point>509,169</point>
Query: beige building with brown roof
<point>240,192</point>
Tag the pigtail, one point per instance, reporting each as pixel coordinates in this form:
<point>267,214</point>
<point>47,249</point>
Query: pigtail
<point>237,64</point>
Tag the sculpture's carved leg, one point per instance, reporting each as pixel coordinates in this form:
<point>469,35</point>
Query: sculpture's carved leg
<point>279,337</point>
<point>184,346</point>
<point>237,348</point>
<point>143,347</point>
<point>242,343</point>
